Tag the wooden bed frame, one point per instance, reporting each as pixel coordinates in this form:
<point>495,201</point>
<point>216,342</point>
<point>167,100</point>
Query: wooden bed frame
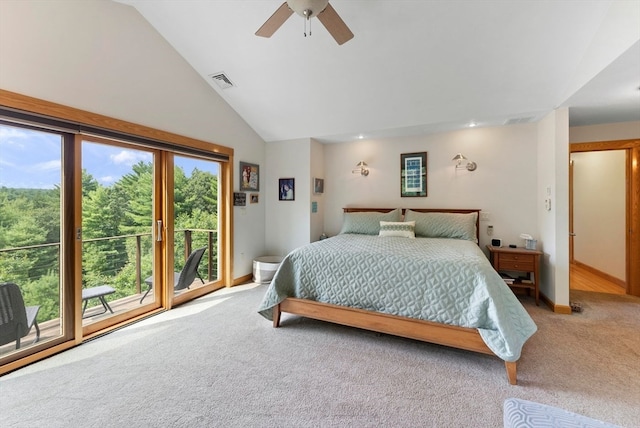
<point>457,337</point>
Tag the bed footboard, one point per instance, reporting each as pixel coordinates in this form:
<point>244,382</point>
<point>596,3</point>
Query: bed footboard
<point>457,337</point>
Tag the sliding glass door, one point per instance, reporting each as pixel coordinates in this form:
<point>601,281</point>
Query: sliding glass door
<point>136,249</point>
<point>118,219</point>
<point>102,222</point>
<point>148,231</point>
<point>195,225</point>
<point>30,239</point>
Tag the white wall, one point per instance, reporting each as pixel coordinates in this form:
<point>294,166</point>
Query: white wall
<point>317,171</point>
<point>288,224</point>
<point>291,224</point>
<point>605,132</point>
<point>553,224</point>
<point>516,166</point>
<point>103,57</point>
<point>599,201</point>
<point>504,185</point>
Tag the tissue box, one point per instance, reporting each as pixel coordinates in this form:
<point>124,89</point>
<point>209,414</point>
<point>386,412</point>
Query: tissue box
<point>530,244</point>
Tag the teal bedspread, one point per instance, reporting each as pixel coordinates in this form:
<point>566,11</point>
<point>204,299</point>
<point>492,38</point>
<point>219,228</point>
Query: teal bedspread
<point>448,281</point>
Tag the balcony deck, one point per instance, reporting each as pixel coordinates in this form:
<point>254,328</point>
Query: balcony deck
<point>51,329</point>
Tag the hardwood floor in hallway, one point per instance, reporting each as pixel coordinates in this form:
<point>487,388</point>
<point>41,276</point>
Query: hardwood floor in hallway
<point>584,280</point>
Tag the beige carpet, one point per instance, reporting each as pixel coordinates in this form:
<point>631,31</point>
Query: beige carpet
<point>216,362</point>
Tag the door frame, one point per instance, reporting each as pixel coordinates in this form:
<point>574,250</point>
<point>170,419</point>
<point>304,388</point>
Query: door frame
<point>632,209</point>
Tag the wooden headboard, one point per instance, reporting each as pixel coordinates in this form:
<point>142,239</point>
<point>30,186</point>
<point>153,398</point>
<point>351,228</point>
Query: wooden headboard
<point>423,210</point>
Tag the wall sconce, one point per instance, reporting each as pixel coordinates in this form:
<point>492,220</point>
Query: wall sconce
<point>459,158</point>
<point>361,168</point>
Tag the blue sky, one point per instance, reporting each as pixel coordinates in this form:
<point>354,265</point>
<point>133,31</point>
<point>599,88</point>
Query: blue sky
<point>32,159</point>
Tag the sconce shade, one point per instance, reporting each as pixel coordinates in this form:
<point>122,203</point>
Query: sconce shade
<point>470,166</point>
<point>361,168</point>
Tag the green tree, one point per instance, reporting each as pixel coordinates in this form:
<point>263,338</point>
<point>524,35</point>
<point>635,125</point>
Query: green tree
<point>102,214</point>
<point>180,181</point>
<point>19,228</point>
<point>201,192</point>
<point>31,217</point>
<point>89,184</point>
<point>137,189</point>
<point>44,292</point>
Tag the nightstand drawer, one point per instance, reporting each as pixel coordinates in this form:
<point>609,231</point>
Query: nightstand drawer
<point>521,262</point>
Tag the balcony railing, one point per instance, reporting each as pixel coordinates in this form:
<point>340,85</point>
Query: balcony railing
<point>118,261</point>
<point>122,300</point>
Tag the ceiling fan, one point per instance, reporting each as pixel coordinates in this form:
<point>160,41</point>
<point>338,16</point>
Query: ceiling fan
<point>308,9</point>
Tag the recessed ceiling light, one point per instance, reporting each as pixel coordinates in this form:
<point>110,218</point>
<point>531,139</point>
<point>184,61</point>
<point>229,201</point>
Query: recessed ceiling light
<point>472,125</point>
<point>360,137</point>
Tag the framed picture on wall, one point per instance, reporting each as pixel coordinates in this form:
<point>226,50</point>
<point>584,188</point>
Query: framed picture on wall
<point>318,186</point>
<point>249,177</point>
<point>239,199</point>
<point>287,189</point>
<point>413,174</point>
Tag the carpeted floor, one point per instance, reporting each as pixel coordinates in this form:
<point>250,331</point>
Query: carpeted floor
<point>216,362</point>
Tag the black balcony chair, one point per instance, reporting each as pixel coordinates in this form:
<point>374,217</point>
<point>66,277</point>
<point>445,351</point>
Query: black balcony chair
<point>186,276</point>
<point>16,319</point>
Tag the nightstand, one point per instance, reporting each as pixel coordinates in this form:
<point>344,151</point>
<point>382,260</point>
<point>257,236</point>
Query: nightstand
<point>505,259</point>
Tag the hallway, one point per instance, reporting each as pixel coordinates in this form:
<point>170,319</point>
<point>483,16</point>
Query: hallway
<point>584,280</point>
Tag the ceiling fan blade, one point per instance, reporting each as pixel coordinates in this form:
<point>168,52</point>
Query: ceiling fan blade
<point>275,21</point>
<point>335,25</point>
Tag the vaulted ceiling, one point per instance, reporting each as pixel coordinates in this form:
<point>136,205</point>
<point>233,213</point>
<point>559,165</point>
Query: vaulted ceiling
<point>413,66</point>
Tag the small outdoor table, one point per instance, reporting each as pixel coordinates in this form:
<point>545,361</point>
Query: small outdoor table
<point>97,292</point>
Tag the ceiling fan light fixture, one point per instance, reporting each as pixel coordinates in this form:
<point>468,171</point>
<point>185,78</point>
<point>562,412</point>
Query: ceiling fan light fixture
<point>307,8</point>
<point>321,9</point>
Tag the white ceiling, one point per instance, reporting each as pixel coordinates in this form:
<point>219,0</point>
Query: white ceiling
<point>413,66</point>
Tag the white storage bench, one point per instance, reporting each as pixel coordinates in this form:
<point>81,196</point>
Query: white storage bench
<point>265,267</point>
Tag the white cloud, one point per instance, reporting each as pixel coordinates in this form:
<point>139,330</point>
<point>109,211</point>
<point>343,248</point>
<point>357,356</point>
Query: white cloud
<point>7,132</point>
<point>108,179</point>
<point>129,157</point>
<point>8,137</point>
<point>52,165</point>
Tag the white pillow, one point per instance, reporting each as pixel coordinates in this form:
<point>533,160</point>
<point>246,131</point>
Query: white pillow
<point>403,229</point>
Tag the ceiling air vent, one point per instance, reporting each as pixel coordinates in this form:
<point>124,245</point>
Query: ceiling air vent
<point>517,120</point>
<point>222,80</point>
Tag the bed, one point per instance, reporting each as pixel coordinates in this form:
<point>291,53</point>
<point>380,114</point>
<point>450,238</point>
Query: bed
<point>415,273</point>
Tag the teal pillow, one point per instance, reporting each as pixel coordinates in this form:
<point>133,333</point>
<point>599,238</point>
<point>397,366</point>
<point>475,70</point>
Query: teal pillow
<point>367,223</point>
<point>444,225</point>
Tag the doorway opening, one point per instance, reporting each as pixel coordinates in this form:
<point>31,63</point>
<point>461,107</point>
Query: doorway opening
<point>603,215</point>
